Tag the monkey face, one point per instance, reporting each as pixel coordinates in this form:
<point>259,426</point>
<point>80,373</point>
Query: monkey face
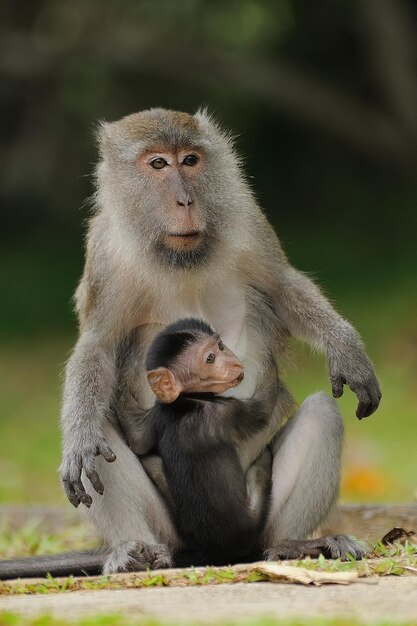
<point>172,178</point>
<point>213,366</point>
<point>205,366</point>
<point>169,176</point>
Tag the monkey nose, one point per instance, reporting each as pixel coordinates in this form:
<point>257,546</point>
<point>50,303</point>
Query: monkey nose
<point>239,370</point>
<point>185,201</point>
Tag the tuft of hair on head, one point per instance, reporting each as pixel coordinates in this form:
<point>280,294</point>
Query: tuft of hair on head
<point>171,341</point>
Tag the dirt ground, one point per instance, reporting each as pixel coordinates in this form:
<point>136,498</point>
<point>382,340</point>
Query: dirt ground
<point>390,599</point>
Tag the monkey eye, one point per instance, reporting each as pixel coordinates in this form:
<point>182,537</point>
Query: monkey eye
<point>211,358</point>
<point>158,163</point>
<point>221,345</point>
<point>190,159</point>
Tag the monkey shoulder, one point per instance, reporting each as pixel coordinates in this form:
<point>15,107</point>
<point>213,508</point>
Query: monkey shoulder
<point>109,298</point>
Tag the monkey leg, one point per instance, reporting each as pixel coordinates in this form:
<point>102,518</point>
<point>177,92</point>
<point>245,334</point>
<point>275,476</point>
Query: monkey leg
<point>258,484</point>
<point>130,517</point>
<point>134,556</point>
<point>305,483</point>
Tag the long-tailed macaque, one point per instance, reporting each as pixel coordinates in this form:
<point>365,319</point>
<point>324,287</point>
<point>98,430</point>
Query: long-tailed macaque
<point>196,433</point>
<point>177,233</point>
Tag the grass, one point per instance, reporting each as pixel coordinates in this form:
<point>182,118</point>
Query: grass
<point>397,560</point>
<point>380,463</point>
<point>382,560</point>
<point>12,619</point>
<point>30,389</point>
<point>32,539</point>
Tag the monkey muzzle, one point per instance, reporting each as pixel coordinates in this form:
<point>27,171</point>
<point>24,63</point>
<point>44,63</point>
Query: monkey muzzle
<point>183,241</point>
<point>239,379</point>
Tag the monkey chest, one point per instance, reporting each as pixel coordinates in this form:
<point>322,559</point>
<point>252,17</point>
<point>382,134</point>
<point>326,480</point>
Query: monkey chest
<point>224,306</point>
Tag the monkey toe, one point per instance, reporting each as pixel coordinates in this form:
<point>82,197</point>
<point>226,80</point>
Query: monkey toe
<point>335,547</point>
<point>287,551</point>
<point>341,547</point>
<point>331,546</point>
<point>155,556</point>
<point>162,557</point>
<point>136,556</point>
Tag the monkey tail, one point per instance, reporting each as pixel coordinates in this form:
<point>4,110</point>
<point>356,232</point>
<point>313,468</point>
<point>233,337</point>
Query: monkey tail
<point>82,563</point>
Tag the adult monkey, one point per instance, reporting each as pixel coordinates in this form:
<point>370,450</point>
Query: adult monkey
<point>177,233</point>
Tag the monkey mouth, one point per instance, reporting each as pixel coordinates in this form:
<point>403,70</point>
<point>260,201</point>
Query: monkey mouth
<point>183,241</point>
<point>193,233</point>
<point>238,380</point>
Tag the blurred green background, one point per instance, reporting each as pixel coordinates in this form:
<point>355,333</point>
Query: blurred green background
<point>322,97</point>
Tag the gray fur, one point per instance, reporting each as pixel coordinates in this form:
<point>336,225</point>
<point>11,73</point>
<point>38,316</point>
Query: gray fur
<point>306,469</point>
<point>245,288</point>
<point>133,556</point>
<point>331,546</point>
<point>258,482</point>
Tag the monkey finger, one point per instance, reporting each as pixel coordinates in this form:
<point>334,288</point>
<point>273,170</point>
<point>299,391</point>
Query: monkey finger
<point>368,410</point>
<point>337,386</point>
<point>94,480</point>
<point>106,452</point>
<point>70,492</point>
<point>375,396</point>
<point>373,403</point>
<point>364,409</point>
<point>371,407</point>
<point>81,493</point>
<point>364,400</point>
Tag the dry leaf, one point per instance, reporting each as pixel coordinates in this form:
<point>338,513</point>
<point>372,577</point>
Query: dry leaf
<point>276,571</point>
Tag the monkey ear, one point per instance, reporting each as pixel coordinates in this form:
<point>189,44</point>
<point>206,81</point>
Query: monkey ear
<point>113,144</point>
<point>164,384</point>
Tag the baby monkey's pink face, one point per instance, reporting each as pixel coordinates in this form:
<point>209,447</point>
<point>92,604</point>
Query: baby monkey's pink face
<point>212,366</point>
<point>206,365</point>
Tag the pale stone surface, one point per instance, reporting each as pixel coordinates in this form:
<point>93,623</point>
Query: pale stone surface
<point>390,599</point>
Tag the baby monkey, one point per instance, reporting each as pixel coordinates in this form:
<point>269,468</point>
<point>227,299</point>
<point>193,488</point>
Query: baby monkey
<point>196,434</point>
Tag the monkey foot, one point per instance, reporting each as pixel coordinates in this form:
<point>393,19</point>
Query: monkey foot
<point>331,546</point>
<point>134,556</point>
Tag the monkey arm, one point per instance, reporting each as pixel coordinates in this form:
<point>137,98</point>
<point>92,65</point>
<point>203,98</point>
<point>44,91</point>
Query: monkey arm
<point>240,419</point>
<point>303,311</point>
<point>154,467</point>
<point>262,403</point>
<point>308,315</point>
<point>139,430</point>
<point>258,483</point>
<point>237,420</point>
<point>89,382</point>
<point>266,390</point>
<point>106,311</point>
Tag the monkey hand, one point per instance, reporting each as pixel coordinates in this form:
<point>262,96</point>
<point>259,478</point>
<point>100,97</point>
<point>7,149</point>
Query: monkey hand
<point>83,458</point>
<point>355,370</point>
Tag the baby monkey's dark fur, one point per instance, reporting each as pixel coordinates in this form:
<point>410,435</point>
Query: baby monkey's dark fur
<point>197,437</point>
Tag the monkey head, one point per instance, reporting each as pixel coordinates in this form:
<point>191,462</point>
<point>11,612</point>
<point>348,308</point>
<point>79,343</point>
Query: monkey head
<point>189,357</point>
<point>167,178</point>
